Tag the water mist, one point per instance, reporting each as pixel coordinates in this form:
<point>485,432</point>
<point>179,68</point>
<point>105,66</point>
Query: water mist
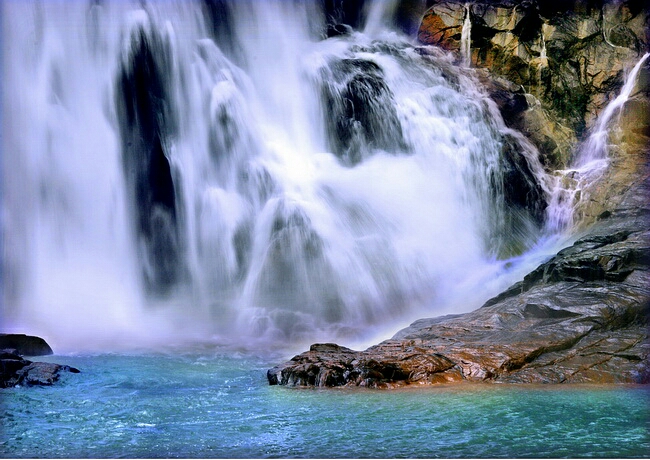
<point>167,181</point>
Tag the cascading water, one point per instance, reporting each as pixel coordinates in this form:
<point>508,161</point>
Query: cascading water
<point>380,16</point>
<point>571,186</point>
<point>466,38</point>
<point>164,177</point>
<point>595,148</point>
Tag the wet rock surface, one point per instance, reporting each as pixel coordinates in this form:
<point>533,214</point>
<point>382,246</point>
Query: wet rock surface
<point>581,317</point>
<point>15,370</point>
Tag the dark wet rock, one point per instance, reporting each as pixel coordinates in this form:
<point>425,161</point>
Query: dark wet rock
<point>147,125</point>
<point>16,370</point>
<point>360,111</point>
<point>330,365</point>
<point>522,192</point>
<point>10,364</point>
<point>581,317</point>
<point>42,374</point>
<point>26,345</point>
<point>345,12</point>
<point>339,30</point>
<point>221,24</point>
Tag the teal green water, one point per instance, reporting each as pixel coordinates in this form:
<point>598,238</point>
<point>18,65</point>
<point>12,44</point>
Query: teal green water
<point>219,405</point>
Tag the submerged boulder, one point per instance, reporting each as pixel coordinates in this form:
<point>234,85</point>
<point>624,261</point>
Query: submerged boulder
<point>43,374</point>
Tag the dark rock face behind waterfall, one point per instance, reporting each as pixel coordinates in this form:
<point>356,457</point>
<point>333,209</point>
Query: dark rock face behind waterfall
<point>360,111</point>
<point>582,316</point>
<point>146,128</point>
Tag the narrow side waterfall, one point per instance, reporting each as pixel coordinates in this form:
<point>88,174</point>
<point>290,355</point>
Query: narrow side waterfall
<point>543,58</point>
<point>590,162</point>
<point>595,148</point>
<point>176,171</point>
<point>466,38</point>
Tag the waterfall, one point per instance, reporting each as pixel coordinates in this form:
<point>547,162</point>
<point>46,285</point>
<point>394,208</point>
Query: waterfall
<point>595,148</point>
<point>542,62</point>
<point>165,179</point>
<point>466,38</point>
<point>543,59</point>
<point>590,162</point>
<point>379,17</point>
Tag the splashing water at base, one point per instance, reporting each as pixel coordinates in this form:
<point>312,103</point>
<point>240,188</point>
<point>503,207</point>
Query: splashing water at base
<point>163,184</point>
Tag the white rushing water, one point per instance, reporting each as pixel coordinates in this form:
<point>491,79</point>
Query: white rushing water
<point>161,183</point>
<point>466,38</point>
<point>572,185</point>
<point>595,148</point>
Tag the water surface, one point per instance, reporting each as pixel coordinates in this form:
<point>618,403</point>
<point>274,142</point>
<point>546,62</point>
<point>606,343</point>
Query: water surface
<point>214,404</point>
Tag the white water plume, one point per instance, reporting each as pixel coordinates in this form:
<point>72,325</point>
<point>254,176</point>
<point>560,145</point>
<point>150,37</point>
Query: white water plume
<point>162,184</point>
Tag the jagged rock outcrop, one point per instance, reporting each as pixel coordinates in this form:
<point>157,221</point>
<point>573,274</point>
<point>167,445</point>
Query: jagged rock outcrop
<point>15,370</point>
<point>566,57</point>
<point>580,317</point>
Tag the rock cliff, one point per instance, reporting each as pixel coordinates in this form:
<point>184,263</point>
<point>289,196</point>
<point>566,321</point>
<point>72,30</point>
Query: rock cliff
<point>27,345</point>
<point>583,315</point>
<point>566,58</point>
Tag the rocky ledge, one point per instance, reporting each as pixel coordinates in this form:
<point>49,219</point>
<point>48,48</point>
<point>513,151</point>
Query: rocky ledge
<point>15,370</point>
<point>580,317</point>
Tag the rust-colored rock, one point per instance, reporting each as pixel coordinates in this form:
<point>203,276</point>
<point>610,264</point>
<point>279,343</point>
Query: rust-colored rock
<point>443,30</point>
